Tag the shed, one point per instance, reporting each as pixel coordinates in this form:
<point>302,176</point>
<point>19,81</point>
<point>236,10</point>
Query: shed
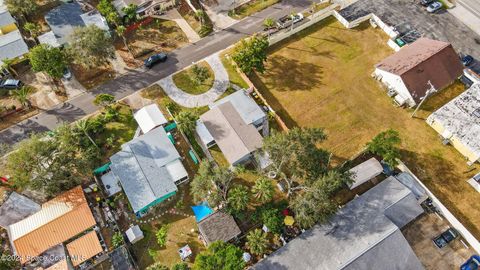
<point>365,171</point>
<point>219,226</point>
<point>84,248</point>
<point>149,117</point>
<point>134,234</point>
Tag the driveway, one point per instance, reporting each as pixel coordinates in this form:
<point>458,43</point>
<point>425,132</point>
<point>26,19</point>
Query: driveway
<point>440,26</point>
<point>135,80</point>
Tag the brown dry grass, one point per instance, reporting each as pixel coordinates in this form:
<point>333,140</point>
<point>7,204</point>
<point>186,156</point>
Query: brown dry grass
<point>321,78</point>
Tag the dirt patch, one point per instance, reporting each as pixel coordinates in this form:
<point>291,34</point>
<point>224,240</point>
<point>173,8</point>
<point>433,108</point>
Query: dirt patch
<point>91,77</point>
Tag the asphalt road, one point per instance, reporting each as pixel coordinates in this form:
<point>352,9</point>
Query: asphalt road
<point>138,79</point>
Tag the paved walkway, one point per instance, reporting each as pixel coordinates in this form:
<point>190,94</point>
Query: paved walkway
<point>173,15</point>
<point>73,87</point>
<point>220,84</point>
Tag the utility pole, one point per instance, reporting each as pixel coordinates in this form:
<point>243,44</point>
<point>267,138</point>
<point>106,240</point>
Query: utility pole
<point>430,91</point>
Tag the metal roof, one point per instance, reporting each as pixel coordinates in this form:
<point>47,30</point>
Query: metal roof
<point>134,234</point>
<point>12,45</point>
<point>84,248</point>
<point>203,133</point>
<point>141,167</point>
<point>246,107</point>
<point>60,219</point>
<point>149,117</point>
<point>458,117</point>
<point>5,17</point>
<point>49,39</point>
<point>233,136</point>
<point>364,234</point>
<point>16,208</point>
<point>365,171</point>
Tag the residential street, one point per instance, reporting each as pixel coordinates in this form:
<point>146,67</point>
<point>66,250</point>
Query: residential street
<point>135,80</point>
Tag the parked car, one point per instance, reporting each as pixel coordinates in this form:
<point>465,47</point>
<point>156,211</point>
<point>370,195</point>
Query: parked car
<point>471,264</point>
<point>67,75</point>
<point>446,237</point>
<point>154,59</point>
<point>434,7</point>
<point>10,84</point>
<point>467,60</point>
<point>426,2</point>
<point>288,20</point>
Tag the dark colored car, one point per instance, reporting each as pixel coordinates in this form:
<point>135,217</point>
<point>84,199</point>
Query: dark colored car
<point>467,60</point>
<point>471,264</point>
<point>426,2</point>
<point>154,59</point>
<point>10,84</point>
<point>446,237</point>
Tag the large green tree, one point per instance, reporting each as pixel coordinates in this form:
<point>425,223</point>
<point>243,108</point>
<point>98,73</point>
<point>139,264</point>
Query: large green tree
<point>220,255</point>
<point>257,242</point>
<point>263,190</point>
<point>211,183</point>
<point>130,13</point>
<point>107,9</point>
<point>251,53</point>
<point>385,144</point>
<point>51,163</point>
<point>296,156</point>
<point>21,7</point>
<point>45,58</point>
<point>91,46</point>
<point>238,198</point>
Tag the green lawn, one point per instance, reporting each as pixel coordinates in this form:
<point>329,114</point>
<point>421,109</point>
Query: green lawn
<point>233,75</point>
<point>250,8</point>
<point>321,78</point>
<point>185,80</point>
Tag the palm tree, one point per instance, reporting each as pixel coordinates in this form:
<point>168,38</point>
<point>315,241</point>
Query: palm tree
<point>21,95</point>
<point>257,242</point>
<point>186,121</point>
<point>238,198</point>
<point>263,189</point>
<point>121,32</point>
<point>83,126</point>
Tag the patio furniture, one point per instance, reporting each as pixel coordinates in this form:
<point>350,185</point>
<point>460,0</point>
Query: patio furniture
<point>185,252</point>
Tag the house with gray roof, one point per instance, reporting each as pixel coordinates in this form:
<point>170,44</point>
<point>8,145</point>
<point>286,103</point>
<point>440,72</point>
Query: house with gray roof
<point>365,234</point>
<point>148,168</point>
<point>63,20</point>
<point>12,45</point>
<point>16,208</point>
<point>219,226</point>
<point>233,123</point>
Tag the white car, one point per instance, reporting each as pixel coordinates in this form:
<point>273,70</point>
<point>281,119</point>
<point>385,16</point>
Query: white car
<point>433,7</point>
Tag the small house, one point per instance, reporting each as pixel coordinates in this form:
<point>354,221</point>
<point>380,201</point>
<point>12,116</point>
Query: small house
<point>458,123</point>
<point>12,44</point>
<point>408,73</point>
<point>219,226</point>
<point>148,168</point>
<point>134,234</point>
<point>365,171</point>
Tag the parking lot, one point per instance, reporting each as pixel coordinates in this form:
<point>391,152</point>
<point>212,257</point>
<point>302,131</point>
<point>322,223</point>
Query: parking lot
<point>441,25</point>
<point>419,235</point>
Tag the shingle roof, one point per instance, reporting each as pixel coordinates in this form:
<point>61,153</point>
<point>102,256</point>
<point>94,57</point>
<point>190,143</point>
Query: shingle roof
<point>12,45</point>
<point>461,117</point>
<point>60,219</point>
<point>16,208</point>
<point>63,19</point>
<point>363,235</point>
<point>141,167</point>
<point>365,171</point>
<point>235,138</point>
<point>219,226</point>
<point>422,61</point>
<point>246,107</point>
<point>84,248</point>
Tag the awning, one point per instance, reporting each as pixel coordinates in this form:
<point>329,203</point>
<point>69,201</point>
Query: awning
<point>102,169</point>
<point>289,220</point>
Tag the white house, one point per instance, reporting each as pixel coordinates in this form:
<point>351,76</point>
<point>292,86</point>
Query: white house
<point>149,117</point>
<point>407,73</point>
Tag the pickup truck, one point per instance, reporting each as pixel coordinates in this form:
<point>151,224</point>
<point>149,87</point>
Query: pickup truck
<point>288,20</point>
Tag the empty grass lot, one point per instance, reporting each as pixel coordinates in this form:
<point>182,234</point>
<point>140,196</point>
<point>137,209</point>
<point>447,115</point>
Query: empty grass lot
<point>321,78</point>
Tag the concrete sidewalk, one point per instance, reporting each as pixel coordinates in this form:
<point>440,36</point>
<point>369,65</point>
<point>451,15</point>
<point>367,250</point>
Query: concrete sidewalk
<point>220,85</point>
<point>467,17</point>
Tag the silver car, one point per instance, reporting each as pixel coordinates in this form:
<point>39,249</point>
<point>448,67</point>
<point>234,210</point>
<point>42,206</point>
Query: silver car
<point>433,7</point>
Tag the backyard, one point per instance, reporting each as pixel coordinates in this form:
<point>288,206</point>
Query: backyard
<point>335,91</point>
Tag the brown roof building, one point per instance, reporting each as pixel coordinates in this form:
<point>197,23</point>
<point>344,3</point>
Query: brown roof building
<point>219,226</point>
<point>409,70</point>
<point>84,248</point>
<point>59,220</point>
